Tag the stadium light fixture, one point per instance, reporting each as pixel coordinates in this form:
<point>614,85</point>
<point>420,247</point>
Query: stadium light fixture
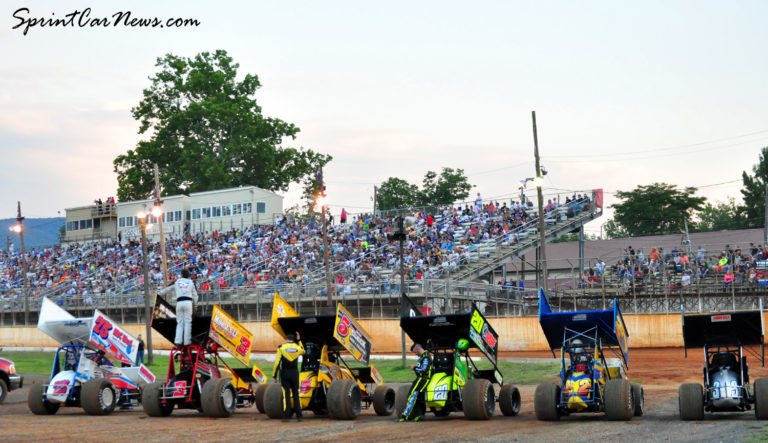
<point>538,181</point>
<point>320,201</point>
<point>16,228</point>
<point>157,211</point>
<point>141,215</point>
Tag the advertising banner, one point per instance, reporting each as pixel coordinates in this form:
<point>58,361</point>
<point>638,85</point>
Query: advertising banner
<point>230,335</point>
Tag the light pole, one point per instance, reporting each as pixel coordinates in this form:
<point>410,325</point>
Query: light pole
<point>142,216</point>
<point>538,181</point>
<point>400,236</point>
<point>321,201</point>
<point>157,211</point>
<point>19,229</point>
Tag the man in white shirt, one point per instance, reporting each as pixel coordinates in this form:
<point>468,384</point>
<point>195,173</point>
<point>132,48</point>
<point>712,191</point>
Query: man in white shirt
<point>186,297</point>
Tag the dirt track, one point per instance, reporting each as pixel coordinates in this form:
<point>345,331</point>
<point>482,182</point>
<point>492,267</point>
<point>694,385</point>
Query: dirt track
<point>661,371</point>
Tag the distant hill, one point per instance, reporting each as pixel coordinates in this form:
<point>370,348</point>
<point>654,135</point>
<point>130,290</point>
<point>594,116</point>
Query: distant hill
<point>38,232</point>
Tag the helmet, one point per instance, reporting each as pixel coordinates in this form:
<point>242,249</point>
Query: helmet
<point>577,347</point>
<point>462,345</point>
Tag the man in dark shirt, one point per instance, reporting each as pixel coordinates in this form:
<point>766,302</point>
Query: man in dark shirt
<point>423,370</point>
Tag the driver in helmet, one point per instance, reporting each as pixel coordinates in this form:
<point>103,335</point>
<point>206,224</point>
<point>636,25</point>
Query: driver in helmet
<point>579,356</point>
<point>462,345</point>
<point>578,384</point>
<point>423,370</point>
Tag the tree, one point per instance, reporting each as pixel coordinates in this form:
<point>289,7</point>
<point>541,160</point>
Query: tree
<point>206,132</point>
<point>722,215</point>
<point>658,208</point>
<point>452,185</point>
<point>396,193</point>
<point>753,191</point>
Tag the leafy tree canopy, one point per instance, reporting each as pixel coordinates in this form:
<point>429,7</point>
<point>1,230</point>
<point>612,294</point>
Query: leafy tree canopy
<point>658,208</point>
<point>753,191</point>
<point>449,186</point>
<point>207,132</point>
<point>720,216</point>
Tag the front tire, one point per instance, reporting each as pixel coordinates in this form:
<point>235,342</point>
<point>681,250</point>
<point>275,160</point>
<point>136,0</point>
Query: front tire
<point>344,399</point>
<point>690,398</point>
<point>638,400</point>
<point>384,400</point>
<point>761,398</point>
<point>151,401</point>
<point>37,402</point>
<point>99,396</point>
<point>509,400</point>
<point>618,399</point>
<point>479,399</point>
<point>545,402</point>
<point>401,399</point>
<point>273,401</point>
<point>219,398</point>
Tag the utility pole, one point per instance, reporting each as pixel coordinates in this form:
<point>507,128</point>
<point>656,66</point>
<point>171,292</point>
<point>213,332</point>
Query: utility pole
<point>539,179</point>
<point>326,261</point>
<point>147,305</point>
<point>765,230</point>
<point>159,205</point>
<point>19,228</point>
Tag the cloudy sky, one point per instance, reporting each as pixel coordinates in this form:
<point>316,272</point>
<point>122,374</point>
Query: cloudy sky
<point>626,93</point>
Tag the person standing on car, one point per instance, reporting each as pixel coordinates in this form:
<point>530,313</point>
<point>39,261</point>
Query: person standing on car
<point>186,297</point>
<point>423,370</point>
<point>287,361</point>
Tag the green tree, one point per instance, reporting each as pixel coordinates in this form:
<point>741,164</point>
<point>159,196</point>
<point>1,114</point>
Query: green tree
<point>658,208</point>
<point>753,191</point>
<point>396,193</point>
<point>450,186</point>
<point>614,230</point>
<point>206,132</point>
<point>722,215</point>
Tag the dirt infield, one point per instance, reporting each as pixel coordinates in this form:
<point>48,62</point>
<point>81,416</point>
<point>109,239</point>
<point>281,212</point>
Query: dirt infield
<point>660,370</point>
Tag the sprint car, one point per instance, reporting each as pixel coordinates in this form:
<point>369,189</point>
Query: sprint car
<point>726,386</point>
<point>197,377</point>
<point>84,372</point>
<point>456,383</point>
<point>328,385</point>
<point>588,381</point>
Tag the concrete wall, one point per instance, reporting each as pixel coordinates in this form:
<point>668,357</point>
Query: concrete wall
<point>516,334</point>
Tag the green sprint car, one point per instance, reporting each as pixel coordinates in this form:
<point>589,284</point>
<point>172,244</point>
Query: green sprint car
<point>456,383</point>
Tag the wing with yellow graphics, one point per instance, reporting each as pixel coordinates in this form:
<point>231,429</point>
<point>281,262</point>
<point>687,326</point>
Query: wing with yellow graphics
<point>352,336</point>
<point>281,309</point>
<point>231,335</point>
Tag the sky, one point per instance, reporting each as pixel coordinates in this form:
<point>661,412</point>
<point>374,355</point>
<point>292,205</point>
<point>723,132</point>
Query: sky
<point>625,93</point>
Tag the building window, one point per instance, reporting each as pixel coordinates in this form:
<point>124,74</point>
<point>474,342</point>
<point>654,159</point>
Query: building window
<point>226,211</point>
<point>261,208</point>
<point>195,213</point>
<point>215,211</point>
<point>72,226</point>
<point>177,216</point>
<point>247,208</point>
<point>206,212</point>
<point>120,222</point>
<point>237,209</point>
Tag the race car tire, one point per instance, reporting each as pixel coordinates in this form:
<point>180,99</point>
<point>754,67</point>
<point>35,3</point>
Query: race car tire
<point>3,390</point>
<point>384,400</point>
<point>273,401</point>
<point>690,397</point>
<point>151,402</point>
<point>761,398</point>
<point>509,400</point>
<point>618,399</point>
<point>39,405</point>
<point>219,398</point>
<point>638,400</point>
<point>443,412</point>
<point>479,399</point>
<point>99,396</point>
<point>545,402</point>
<point>401,399</point>
<point>259,393</point>
<point>344,399</point>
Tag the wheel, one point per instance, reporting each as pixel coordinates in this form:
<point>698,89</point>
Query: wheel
<point>37,402</point>
<point>259,394</point>
<point>384,400</point>
<point>273,401</point>
<point>509,400</point>
<point>99,396</point>
<point>219,398</point>
<point>344,399</point>
<point>545,402</point>
<point>152,403</point>
<point>690,397</point>
<point>638,400</point>
<point>761,398</point>
<point>479,399</point>
<point>401,399</point>
<point>3,390</point>
<point>618,399</point>
<point>445,412</point>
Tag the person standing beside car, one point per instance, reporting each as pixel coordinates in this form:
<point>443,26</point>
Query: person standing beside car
<point>423,370</point>
<point>186,297</point>
<point>140,354</point>
<point>287,361</point>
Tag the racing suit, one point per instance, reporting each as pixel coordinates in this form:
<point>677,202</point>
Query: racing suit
<point>287,360</point>
<point>186,297</point>
<point>423,372</point>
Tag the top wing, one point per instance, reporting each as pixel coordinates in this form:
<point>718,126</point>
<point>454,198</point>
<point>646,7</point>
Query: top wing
<point>61,326</point>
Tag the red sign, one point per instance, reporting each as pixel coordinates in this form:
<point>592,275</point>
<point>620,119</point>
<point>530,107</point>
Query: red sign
<point>721,317</point>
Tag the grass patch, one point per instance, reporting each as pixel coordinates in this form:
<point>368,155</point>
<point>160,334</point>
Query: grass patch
<point>760,435</point>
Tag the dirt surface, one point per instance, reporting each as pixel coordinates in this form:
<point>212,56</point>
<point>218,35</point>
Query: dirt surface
<point>660,370</point>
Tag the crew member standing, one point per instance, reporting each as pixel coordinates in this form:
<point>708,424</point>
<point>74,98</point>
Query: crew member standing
<point>186,297</point>
<point>423,370</point>
<point>287,360</point>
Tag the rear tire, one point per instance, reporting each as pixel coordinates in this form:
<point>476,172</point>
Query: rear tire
<point>344,399</point>
<point>219,398</point>
<point>151,401</point>
<point>3,390</point>
<point>261,390</point>
<point>638,400</point>
<point>545,402</point>
<point>761,398</point>
<point>384,400</point>
<point>37,402</point>
<point>99,396</point>
<point>509,400</point>
<point>273,401</point>
<point>401,399</point>
<point>690,397</point>
<point>479,399</point>
<point>618,400</point>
